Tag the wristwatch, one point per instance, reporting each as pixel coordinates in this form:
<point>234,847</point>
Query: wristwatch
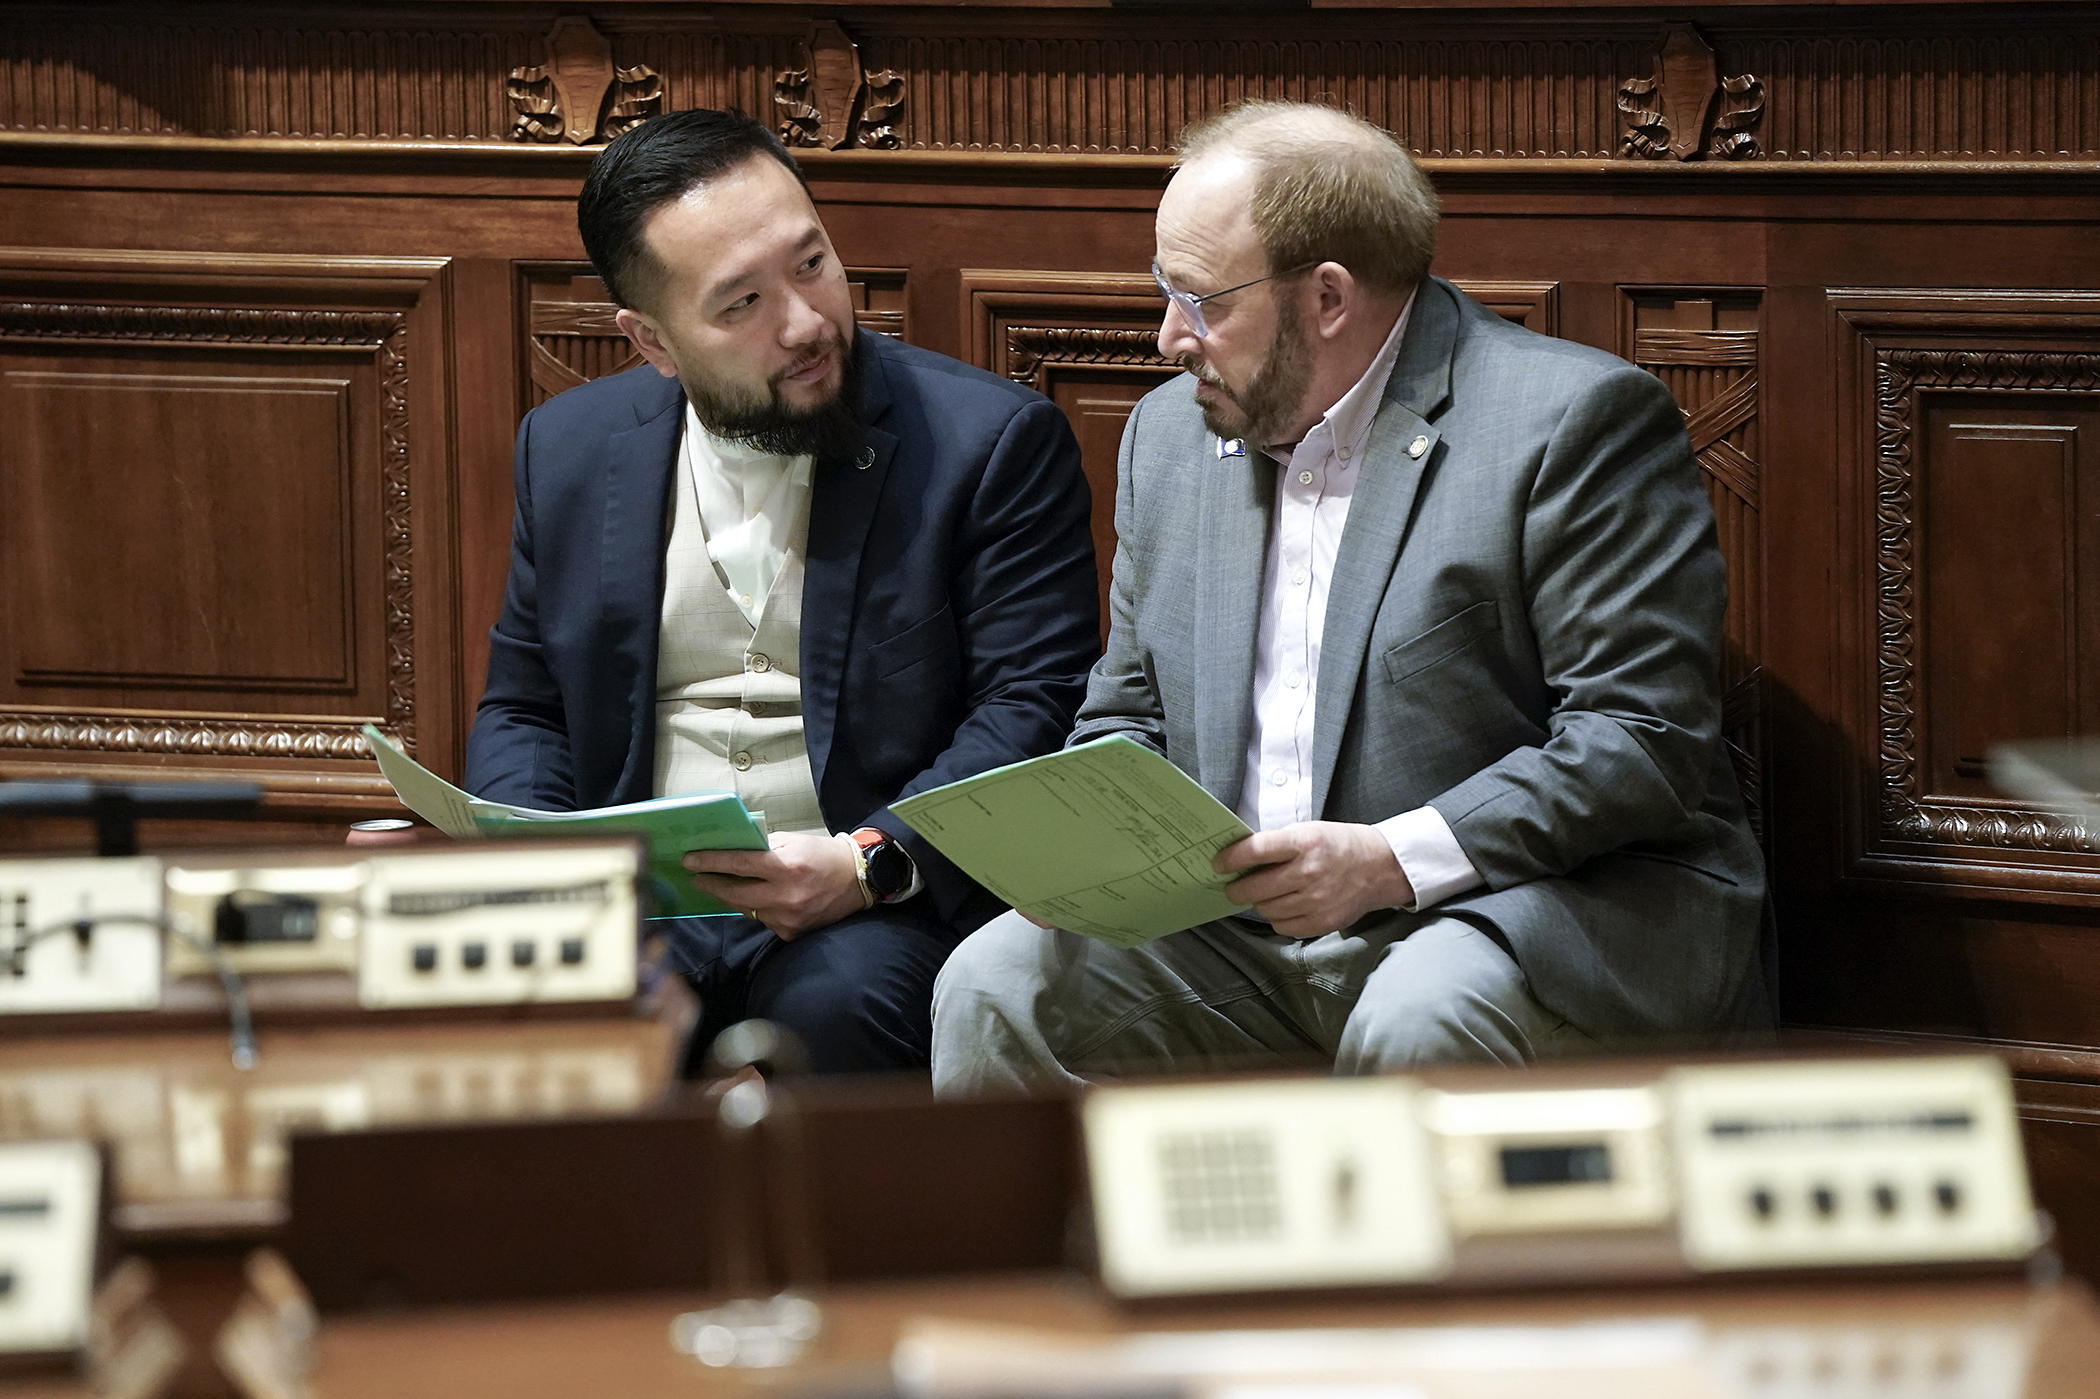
<point>886,865</point>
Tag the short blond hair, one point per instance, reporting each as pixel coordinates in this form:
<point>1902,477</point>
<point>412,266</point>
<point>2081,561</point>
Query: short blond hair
<point>1328,187</point>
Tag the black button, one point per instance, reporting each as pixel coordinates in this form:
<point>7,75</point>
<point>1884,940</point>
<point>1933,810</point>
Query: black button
<point>1761,1201</point>
<point>425,957</point>
<point>1826,1200</point>
<point>1885,1198</point>
<point>474,956</point>
<point>523,951</point>
<point>571,952</point>
<point>1948,1194</point>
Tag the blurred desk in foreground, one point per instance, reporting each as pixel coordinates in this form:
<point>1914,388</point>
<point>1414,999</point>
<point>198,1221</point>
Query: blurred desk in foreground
<point>200,1148</point>
<point>1948,1341</point>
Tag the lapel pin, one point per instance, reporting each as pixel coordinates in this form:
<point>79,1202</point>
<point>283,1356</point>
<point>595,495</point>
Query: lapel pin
<point>1231,447</point>
<point>1418,446</point>
<point>865,460</point>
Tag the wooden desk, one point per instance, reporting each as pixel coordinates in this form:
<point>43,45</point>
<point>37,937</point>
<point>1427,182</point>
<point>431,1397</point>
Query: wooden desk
<point>586,1350</point>
<point>200,1146</point>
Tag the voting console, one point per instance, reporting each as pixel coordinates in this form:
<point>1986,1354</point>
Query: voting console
<point>349,929</point>
<point>1706,1168</point>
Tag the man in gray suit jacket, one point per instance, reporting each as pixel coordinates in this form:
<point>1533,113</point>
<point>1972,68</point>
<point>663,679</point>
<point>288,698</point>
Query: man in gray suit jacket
<point>1434,603</point>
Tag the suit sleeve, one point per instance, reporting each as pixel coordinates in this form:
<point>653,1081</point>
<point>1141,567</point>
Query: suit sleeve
<point>518,751</point>
<point>1120,697</point>
<point>1025,596</point>
<point>1625,589</point>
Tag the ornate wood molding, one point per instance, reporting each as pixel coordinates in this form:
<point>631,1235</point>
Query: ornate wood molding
<point>834,101</point>
<point>1031,350</point>
<point>189,325</point>
<point>579,95</point>
<point>209,735</point>
<point>385,335</point>
<point>1900,376</point>
<point>1955,85</point>
<point>1685,109</point>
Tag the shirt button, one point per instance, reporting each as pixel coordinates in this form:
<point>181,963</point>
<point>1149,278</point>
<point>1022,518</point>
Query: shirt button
<point>741,762</point>
<point>759,662</point>
<point>1298,576</point>
<point>1344,454</point>
<point>1277,779</point>
<point>744,598</point>
<point>1294,680</point>
<point>1305,478</point>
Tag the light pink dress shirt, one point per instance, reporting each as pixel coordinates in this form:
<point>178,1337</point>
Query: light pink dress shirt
<point>1313,485</point>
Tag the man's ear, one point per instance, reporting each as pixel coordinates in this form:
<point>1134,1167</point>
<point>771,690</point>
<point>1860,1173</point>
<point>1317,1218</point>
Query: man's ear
<point>642,334</point>
<point>1337,291</point>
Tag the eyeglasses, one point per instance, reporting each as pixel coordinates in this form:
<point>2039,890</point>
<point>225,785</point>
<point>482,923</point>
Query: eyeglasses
<point>1192,306</point>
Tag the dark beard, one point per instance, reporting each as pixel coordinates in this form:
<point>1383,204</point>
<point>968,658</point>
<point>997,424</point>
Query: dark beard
<point>769,425</point>
<point>1266,411</point>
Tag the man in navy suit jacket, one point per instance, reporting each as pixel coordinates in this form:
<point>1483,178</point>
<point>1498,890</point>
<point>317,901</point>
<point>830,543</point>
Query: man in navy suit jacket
<point>948,610</point>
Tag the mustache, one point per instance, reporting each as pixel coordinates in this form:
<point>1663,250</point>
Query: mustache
<point>834,345</point>
<point>1205,373</point>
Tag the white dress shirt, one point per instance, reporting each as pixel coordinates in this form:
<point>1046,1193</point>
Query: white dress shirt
<point>749,503</point>
<point>1315,480</point>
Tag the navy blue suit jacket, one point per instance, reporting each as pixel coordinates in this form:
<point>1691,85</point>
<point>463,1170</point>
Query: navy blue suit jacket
<point>949,606</point>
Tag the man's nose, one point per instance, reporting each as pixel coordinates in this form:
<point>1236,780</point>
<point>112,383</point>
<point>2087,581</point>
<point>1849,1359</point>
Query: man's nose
<point>1176,336</point>
<point>803,322</point>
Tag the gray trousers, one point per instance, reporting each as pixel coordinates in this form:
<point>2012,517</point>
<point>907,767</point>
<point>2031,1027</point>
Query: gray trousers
<point>1020,1007</point>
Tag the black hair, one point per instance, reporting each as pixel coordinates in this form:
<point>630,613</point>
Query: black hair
<point>650,166</point>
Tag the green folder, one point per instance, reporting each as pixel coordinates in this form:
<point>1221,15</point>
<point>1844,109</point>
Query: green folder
<point>673,825</point>
<point>1107,838</point>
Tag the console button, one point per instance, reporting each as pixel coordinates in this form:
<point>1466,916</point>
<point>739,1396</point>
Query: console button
<point>424,957</point>
<point>571,952</point>
<point>523,951</point>
<point>474,956</point>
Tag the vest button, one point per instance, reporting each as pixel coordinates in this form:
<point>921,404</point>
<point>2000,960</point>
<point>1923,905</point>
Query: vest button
<point>741,762</point>
<point>759,662</point>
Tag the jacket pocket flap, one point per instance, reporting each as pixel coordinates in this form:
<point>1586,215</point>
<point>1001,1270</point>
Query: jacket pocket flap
<point>1441,641</point>
<point>914,644</point>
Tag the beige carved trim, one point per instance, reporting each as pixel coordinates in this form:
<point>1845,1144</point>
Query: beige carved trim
<point>191,735</point>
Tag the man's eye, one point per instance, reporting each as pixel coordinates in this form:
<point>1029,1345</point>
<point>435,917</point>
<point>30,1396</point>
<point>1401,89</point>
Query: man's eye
<point>748,299</point>
<point>814,261</point>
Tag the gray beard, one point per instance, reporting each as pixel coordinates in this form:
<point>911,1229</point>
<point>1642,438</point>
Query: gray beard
<point>1265,412</point>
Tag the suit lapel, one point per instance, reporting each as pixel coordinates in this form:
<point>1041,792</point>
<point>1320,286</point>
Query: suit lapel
<point>843,497</point>
<point>1236,501</point>
<point>638,465</point>
<point>1379,512</point>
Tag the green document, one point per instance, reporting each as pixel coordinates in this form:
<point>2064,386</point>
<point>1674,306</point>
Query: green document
<point>1107,839</point>
<point>673,825</point>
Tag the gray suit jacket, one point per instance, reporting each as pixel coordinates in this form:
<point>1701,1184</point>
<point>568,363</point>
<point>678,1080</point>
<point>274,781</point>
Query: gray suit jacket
<point>1523,631</point>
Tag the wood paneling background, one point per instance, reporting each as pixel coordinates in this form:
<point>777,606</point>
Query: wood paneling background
<point>276,283</point>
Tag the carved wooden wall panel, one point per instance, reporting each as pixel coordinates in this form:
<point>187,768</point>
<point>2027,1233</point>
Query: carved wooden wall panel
<point>1947,84</point>
<point>1703,343</point>
<point>226,484</point>
<point>1971,419</point>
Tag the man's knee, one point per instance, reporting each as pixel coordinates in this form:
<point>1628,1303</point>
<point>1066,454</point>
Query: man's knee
<point>986,1030</point>
<point>856,995</point>
<point>1448,993</point>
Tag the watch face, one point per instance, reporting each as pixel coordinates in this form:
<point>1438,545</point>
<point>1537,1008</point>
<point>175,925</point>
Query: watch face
<point>889,869</point>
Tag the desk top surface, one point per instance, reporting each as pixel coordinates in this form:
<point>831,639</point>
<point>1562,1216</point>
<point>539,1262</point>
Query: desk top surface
<point>2001,1340</point>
